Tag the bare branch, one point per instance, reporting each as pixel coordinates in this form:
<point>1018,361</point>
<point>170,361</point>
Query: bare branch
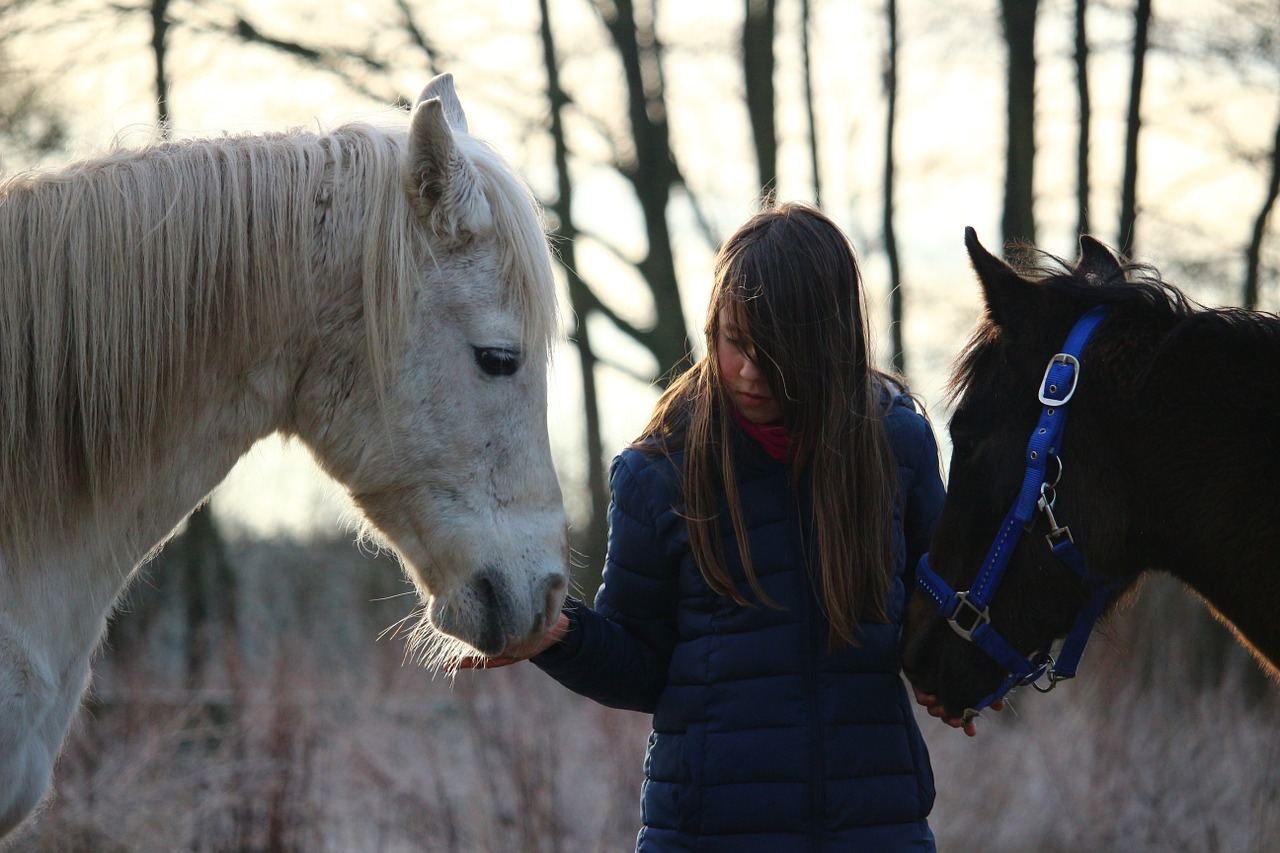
<point>325,60</point>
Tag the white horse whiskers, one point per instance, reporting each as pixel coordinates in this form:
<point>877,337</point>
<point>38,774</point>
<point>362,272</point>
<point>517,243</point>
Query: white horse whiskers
<point>384,296</point>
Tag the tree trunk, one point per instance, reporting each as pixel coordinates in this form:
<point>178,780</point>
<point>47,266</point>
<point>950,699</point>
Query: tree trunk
<point>1127,237</point>
<point>757,67</point>
<point>652,175</point>
<point>159,35</point>
<point>1019,17</point>
<point>1253,255</point>
<point>594,542</point>
<point>209,592</point>
<point>898,356</point>
<point>1086,116</point>
<point>810,109</point>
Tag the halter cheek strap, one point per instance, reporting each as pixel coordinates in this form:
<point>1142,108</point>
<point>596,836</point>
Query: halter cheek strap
<point>968,612</point>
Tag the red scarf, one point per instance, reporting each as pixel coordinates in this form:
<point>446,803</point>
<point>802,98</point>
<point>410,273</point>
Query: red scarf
<point>774,437</point>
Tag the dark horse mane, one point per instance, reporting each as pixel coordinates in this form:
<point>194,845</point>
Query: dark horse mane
<point>1138,289</point>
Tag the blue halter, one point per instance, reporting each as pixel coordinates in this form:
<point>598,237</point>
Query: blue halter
<point>968,612</point>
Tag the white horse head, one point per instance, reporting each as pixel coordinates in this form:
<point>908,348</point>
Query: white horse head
<point>385,296</point>
<point>461,482</point>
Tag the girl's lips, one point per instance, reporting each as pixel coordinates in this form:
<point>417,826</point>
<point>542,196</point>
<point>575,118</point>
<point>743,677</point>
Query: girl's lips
<point>753,399</point>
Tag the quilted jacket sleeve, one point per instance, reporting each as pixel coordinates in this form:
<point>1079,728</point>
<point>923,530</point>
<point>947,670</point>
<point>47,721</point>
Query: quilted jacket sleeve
<point>923,501</point>
<point>618,653</point>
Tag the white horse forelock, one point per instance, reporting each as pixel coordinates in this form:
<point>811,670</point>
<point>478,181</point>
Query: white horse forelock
<point>121,276</point>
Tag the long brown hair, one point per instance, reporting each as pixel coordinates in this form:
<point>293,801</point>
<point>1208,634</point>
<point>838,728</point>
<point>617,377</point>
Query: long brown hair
<point>790,277</point>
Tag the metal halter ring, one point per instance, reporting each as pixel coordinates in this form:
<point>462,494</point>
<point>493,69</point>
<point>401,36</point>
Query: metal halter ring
<point>1046,660</point>
<point>1056,477</point>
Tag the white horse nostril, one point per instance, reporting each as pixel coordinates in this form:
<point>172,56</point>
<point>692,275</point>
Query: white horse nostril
<point>557,585</point>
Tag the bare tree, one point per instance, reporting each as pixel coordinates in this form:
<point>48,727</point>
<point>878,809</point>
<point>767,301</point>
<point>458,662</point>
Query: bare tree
<point>593,543</point>
<point>811,112</point>
<point>1133,125</point>
<point>159,49</point>
<point>651,171</point>
<point>1254,47</point>
<point>1019,19</point>
<point>364,72</point>
<point>30,125</point>
<point>1253,254</point>
<point>758,66</point>
<point>898,357</point>
<point>1086,117</point>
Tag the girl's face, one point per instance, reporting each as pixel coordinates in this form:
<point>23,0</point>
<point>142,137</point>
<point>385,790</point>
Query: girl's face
<point>743,379</point>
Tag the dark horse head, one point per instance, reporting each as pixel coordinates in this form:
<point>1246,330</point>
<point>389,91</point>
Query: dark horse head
<point>1169,445</point>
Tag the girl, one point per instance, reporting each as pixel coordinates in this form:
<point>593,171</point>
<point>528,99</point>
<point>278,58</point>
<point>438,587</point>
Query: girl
<point>753,588</point>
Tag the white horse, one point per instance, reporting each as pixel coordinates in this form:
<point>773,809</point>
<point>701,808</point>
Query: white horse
<point>386,297</point>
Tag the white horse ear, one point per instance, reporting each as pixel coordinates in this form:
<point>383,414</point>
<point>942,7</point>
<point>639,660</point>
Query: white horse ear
<point>431,149</point>
<point>441,87</point>
<point>439,177</point>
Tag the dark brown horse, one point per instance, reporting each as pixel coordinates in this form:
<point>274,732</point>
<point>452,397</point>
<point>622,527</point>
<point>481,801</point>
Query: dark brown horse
<point>1169,461</point>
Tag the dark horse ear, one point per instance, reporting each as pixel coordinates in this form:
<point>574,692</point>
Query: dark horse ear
<point>1009,295</point>
<point>1097,264</point>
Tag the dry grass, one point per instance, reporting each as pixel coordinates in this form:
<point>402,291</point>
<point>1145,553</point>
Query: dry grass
<point>294,741</point>
<point>303,734</point>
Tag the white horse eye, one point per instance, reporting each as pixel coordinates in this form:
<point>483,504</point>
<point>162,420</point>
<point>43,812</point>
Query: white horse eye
<point>496,361</point>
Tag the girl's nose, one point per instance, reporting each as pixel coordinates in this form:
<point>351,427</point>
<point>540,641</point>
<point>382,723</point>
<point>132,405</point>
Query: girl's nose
<point>750,370</point>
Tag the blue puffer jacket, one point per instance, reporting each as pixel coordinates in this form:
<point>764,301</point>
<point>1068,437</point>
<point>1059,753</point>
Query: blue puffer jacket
<point>763,741</point>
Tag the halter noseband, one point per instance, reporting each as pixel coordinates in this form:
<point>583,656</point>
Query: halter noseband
<point>968,612</point>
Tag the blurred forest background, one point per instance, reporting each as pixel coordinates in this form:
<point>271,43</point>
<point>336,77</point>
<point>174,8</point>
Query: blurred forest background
<point>253,695</point>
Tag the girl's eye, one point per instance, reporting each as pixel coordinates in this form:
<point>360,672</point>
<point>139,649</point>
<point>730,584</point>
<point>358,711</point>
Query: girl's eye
<point>496,361</point>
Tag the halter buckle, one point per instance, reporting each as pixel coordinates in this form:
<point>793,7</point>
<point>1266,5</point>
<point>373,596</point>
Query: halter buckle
<point>1046,389</point>
<point>978,616</point>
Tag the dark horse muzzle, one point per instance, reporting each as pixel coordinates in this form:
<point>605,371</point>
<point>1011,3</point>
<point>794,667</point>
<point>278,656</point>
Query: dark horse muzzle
<point>969,612</point>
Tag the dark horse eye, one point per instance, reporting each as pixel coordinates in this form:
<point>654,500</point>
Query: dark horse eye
<point>496,361</point>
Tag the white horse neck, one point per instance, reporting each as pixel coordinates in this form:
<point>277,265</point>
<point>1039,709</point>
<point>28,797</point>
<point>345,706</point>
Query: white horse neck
<point>63,600</point>
<point>229,390</point>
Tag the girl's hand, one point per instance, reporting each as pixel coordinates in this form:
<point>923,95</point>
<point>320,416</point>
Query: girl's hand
<point>555,634</point>
<point>936,710</point>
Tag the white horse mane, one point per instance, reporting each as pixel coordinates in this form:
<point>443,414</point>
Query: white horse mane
<point>120,274</point>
